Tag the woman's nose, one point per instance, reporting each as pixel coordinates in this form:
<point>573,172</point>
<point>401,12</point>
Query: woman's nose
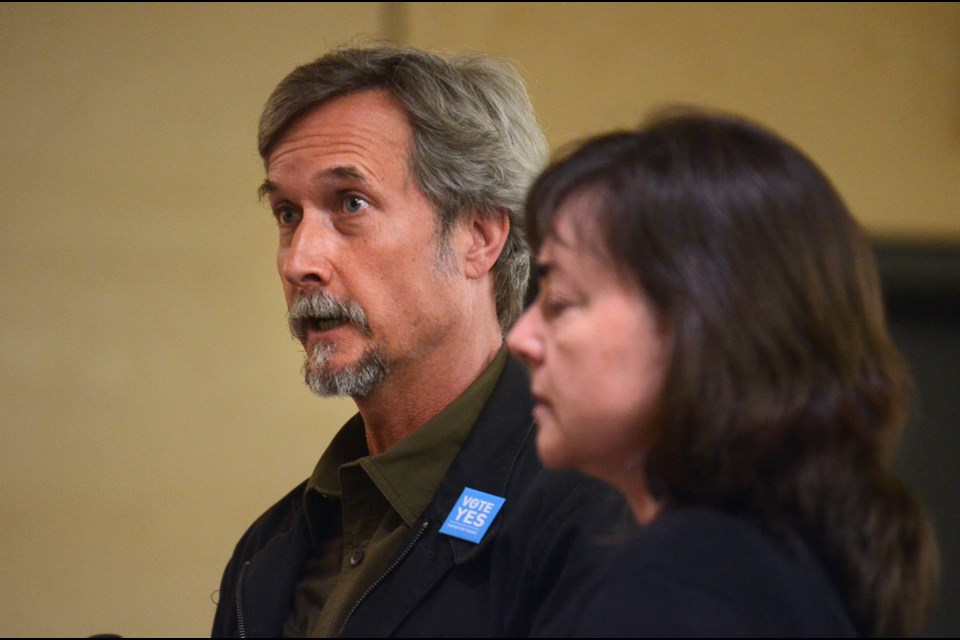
<point>524,340</point>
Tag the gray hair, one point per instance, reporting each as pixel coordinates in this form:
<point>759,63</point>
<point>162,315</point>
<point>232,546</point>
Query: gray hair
<point>476,142</point>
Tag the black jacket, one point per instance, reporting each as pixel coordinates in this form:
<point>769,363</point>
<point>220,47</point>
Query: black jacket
<point>553,532</point>
<point>696,572</point>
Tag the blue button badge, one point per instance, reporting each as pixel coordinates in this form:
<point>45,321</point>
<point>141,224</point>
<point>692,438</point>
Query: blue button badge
<point>471,516</point>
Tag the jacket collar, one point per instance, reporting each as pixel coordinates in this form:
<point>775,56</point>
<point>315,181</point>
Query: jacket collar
<point>489,461</point>
<point>489,456</point>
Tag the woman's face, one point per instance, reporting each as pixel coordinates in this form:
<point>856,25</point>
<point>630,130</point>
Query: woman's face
<point>597,354</point>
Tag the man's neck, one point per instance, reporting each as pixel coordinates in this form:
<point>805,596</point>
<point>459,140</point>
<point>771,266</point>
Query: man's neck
<point>409,398</point>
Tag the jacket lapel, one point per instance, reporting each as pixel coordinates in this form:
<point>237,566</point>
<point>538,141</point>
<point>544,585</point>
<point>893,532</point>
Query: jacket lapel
<point>486,462</point>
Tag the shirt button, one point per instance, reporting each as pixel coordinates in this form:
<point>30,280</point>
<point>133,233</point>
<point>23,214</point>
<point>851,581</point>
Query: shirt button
<point>356,557</point>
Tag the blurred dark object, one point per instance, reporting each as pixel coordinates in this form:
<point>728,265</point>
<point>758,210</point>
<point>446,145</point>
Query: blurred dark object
<point>922,288</point>
<point>921,280</point>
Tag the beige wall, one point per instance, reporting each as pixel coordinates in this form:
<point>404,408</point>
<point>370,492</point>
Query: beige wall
<point>150,399</point>
<point>870,91</point>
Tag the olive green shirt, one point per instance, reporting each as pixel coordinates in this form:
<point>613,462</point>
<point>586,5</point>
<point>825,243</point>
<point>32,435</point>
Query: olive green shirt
<point>359,507</point>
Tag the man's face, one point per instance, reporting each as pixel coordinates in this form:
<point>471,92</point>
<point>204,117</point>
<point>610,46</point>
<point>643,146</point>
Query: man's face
<point>358,245</point>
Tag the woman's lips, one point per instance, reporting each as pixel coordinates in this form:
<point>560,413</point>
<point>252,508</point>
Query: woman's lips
<point>541,406</point>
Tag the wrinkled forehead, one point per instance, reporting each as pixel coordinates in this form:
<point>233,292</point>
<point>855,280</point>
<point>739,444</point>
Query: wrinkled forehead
<point>363,135</point>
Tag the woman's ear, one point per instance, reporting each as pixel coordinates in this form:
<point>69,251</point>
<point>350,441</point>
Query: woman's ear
<point>488,233</point>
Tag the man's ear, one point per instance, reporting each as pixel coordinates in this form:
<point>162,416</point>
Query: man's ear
<point>488,233</point>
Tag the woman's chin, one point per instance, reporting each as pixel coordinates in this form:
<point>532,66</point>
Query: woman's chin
<point>553,454</point>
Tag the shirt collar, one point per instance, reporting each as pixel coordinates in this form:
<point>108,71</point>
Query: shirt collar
<point>409,473</point>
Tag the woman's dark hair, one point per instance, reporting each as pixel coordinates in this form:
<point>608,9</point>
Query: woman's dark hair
<point>785,395</point>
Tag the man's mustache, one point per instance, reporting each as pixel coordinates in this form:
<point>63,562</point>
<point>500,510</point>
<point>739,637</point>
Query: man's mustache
<point>321,306</point>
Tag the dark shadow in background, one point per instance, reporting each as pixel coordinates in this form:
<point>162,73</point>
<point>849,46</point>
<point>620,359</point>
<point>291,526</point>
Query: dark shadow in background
<point>922,288</point>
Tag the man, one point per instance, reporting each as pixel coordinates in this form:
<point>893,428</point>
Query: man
<point>397,178</point>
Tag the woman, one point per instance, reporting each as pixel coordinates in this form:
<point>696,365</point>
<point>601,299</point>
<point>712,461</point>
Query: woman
<point>709,338</point>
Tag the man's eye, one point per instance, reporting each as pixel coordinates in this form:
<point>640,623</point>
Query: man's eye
<point>287,215</point>
<point>354,204</point>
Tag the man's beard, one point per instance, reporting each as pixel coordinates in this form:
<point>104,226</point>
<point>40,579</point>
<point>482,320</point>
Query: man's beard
<point>356,380</point>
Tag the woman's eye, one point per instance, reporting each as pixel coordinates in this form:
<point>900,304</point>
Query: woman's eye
<point>354,204</point>
<point>552,307</point>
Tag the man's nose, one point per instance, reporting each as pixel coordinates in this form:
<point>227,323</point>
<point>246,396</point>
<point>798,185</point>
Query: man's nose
<point>305,261</point>
<point>525,338</point>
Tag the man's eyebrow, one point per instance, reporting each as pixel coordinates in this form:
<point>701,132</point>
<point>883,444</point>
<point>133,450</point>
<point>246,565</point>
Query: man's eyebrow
<point>347,172</point>
<point>266,188</point>
<point>342,173</point>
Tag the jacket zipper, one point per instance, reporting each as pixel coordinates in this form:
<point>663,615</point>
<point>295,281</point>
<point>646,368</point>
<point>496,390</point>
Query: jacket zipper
<point>240,625</point>
<point>423,529</point>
